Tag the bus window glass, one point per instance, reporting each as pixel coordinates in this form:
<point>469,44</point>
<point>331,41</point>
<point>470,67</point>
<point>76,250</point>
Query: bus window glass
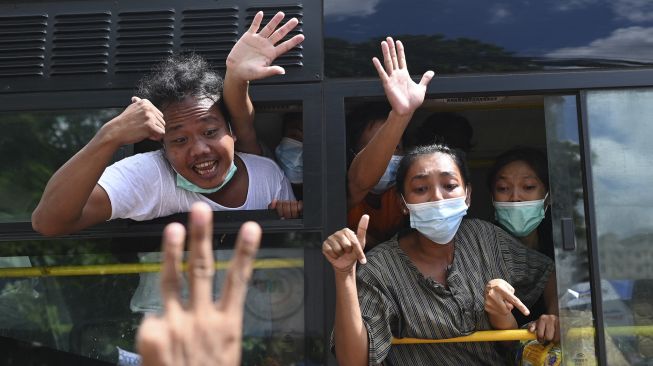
<point>474,36</point>
<point>572,266</point>
<point>619,131</point>
<point>96,292</point>
<point>33,145</point>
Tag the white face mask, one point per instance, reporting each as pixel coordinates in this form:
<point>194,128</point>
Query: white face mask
<point>290,156</point>
<point>438,220</point>
<point>389,177</point>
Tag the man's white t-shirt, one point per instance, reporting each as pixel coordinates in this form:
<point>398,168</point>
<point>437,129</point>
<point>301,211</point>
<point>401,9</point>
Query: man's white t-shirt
<point>143,187</point>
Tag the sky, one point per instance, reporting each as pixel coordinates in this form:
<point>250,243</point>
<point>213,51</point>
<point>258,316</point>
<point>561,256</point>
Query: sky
<point>613,29</point>
<point>620,132</point>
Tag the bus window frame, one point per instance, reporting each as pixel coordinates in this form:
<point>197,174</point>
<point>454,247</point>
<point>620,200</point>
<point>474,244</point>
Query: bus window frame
<point>336,92</point>
<point>306,95</point>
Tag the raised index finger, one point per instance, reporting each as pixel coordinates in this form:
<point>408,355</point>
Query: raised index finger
<point>361,232</point>
<point>518,304</point>
<point>256,22</point>
<point>240,269</point>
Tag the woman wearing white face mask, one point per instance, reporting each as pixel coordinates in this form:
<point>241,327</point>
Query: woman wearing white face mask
<point>519,183</point>
<point>449,277</point>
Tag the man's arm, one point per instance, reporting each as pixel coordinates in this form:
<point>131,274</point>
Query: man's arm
<point>251,59</point>
<point>72,199</point>
<point>405,96</point>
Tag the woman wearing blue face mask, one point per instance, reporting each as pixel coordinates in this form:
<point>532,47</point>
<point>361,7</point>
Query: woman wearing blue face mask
<point>519,184</point>
<point>448,277</point>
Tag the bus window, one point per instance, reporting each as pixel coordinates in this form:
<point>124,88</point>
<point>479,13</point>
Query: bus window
<point>546,123</point>
<point>619,128</point>
<point>87,297</point>
<point>34,145</point>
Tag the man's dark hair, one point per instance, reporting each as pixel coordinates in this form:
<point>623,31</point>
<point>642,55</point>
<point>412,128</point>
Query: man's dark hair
<point>457,155</point>
<point>446,128</point>
<point>179,76</point>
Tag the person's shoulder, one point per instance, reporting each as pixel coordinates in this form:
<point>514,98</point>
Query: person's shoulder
<point>150,165</point>
<point>152,157</point>
<point>478,226</point>
<point>261,168</point>
<point>258,162</point>
<point>479,231</point>
<point>256,159</point>
<point>382,255</point>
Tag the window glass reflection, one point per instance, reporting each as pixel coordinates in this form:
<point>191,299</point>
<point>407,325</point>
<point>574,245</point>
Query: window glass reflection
<point>32,146</point>
<point>620,129</point>
<point>474,36</point>
<point>572,266</point>
<point>91,303</point>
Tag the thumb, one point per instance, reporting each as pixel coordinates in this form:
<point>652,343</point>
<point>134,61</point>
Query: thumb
<point>426,78</point>
<point>135,99</point>
<point>272,70</point>
<point>273,204</point>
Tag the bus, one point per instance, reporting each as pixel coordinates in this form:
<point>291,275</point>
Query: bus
<point>572,78</point>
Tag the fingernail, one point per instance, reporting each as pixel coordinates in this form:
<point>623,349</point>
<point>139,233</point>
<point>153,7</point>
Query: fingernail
<point>364,261</point>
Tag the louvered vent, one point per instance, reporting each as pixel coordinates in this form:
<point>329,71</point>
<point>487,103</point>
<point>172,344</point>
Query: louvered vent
<point>80,44</point>
<point>210,32</point>
<point>22,45</point>
<point>295,57</point>
<point>144,38</point>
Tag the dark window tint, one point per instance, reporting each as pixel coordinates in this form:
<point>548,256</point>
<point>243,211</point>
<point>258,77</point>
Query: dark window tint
<point>33,145</point>
<point>475,36</point>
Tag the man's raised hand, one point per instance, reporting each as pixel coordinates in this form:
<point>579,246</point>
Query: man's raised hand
<point>252,56</point>
<point>404,95</point>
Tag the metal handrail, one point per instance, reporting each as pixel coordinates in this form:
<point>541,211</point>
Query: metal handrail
<point>524,335</point>
<point>130,268</point>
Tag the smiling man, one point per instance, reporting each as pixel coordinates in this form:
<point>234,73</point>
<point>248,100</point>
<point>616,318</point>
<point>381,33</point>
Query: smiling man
<point>182,105</point>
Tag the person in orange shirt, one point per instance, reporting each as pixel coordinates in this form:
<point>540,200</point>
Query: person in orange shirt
<point>377,147</point>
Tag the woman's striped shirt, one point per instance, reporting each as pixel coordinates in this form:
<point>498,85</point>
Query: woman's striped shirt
<point>398,301</point>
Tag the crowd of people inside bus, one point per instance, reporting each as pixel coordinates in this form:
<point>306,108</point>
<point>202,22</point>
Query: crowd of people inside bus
<point>409,264</point>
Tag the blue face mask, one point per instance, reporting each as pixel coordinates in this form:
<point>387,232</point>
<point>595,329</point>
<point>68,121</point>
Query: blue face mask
<point>289,154</point>
<point>184,183</point>
<point>438,220</point>
<point>389,176</point>
<point>520,218</point>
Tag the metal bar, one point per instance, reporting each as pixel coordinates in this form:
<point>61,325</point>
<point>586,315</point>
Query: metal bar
<point>480,336</point>
<point>525,335</point>
<point>130,268</point>
<point>590,224</point>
